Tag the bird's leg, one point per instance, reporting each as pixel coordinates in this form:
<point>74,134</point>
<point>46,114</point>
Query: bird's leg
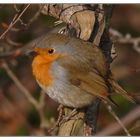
<point>60,118</point>
<point>70,116</point>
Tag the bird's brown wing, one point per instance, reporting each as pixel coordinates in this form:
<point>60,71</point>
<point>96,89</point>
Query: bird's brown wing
<point>92,83</point>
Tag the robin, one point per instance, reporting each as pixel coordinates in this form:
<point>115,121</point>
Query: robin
<point>73,72</point>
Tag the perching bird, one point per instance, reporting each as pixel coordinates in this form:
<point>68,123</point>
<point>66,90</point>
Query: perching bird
<point>73,72</point>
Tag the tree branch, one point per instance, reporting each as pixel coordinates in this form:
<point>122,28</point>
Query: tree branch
<point>126,39</point>
<point>113,128</point>
<point>14,21</point>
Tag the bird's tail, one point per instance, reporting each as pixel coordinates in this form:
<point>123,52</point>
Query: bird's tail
<point>119,90</point>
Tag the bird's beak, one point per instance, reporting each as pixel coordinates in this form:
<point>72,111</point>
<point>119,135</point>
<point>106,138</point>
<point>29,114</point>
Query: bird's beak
<point>31,52</point>
<point>37,50</point>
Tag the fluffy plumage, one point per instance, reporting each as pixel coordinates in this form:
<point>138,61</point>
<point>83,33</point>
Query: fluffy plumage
<point>74,73</point>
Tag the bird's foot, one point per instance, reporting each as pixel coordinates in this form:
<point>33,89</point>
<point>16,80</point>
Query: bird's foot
<point>64,118</point>
<point>70,116</point>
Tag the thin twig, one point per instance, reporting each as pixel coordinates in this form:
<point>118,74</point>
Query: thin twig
<point>117,119</point>
<point>16,9</point>
<point>22,23</point>
<point>126,39</point>
<point>19,85</point>
<point>42,99</point>
<point>36,15</point>
<point>13,29</point>
<point>115,127</point>
<point>43,123</point>
<point>14,21</point>
<point>11,42</point>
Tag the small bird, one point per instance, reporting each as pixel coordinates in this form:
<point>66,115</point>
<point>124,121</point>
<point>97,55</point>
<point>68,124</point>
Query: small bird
<point>73,72</point>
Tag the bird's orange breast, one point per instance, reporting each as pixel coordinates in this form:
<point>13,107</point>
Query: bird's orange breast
<point>42,72</point>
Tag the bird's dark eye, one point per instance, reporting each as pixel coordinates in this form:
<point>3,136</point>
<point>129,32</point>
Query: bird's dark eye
<point>51,51</point>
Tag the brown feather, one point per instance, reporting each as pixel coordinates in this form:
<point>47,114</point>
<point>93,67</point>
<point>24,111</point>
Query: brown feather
<point>119,90</point>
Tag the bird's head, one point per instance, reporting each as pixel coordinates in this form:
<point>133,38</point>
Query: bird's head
<point>47,55</point>
<point>51,48</point>
<point>64,50</point>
